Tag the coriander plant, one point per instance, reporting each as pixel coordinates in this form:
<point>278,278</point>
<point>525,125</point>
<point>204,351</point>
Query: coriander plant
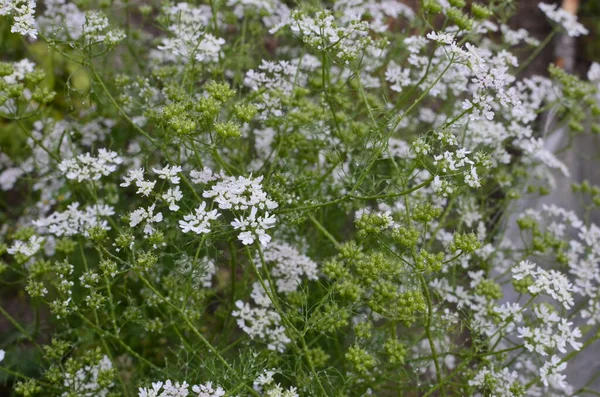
<point>268,198</point>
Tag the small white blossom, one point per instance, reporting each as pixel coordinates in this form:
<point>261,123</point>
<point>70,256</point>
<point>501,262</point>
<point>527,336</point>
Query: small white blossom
<point>198,221</point>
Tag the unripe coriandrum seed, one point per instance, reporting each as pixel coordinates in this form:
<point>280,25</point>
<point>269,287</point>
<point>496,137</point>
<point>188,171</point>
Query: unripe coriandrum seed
<point>209,107</point>
<point>220,91</point>
<point>426,212</point>
<point>6,69</point>
<point>360,359</point>
<point>428,262</point>
<point>28,388</point>
<point>97,234</point>
<point>457,3</point>
<point>372,223</point>
<point>464,242</point>
<point>228,130</point>
<point>318,357</point>
<point>35,77</point>
<point>522,285</point>
<point>460,19</point>
<point>335,269</point>
<point>480,12</point>
<point>395,350</point>
<point>57,349</point>
<point>363,329</point>
<point>145,10</point>
<point>245,112</point>
<point>330,318</point>
<point>349,289</point>
<point>43,95</point>
<point>406,236</point>
<point>489,289</point>
<point>15,90</point>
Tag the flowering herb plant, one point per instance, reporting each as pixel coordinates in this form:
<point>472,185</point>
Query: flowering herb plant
<point>246,198</point>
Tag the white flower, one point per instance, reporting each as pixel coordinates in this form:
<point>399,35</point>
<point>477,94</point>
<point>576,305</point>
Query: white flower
<point>147,215</point>
<point>253,226</point>
<point>87,379</point>
<point>144,392</point>
<point>9,177</point>
<point>204,176</point>
<point>75,221</point>
<point>86,167</point>
<point>28,249</point>
<point>23,16</point>
<point>564,18</point>
<point>169,173</point>
<point>172,196</point>
<point>2,354</point>
<point>137,177</point>
<point>550,373</point>
<point>240,194</point>
<point>133,176</point>
<point>207,390</point>
<point>198,221</point>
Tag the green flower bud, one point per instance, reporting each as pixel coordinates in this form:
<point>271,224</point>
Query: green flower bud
<point>146,260</point>
<point>35,289</point>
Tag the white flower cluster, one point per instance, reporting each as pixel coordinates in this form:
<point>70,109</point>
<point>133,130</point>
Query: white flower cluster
<point>379,12</point>
<point>287,267</point>
<point>136,177</point>
<point>95,29</point>
<point>189,37</point>
<point>564,18</point>
<point>75,221</point>
<point>85,167</point>
<point>29,248</point>
<point>261,322</point>
<point>552,283</point>
<point>170,389</point>
<point>266,386</point>
<point>499,383</point>
<point>147,216</point>
<point>22,12</point>
<point>241,194</point>
<point>198,221</point>
<point>204,176</point>
<point>322,32</point>
<point>273,80</point>
<point>85,381</point>
<point>272,12</point>
<point>61,20</point>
